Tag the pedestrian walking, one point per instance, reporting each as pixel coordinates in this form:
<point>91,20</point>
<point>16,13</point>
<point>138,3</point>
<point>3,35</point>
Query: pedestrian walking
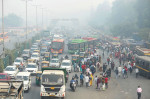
<point>116,72</point>
<point>108,60</point>
<point>99,81</point>
<point>123,73</point>
<point>95,80</point>
<point>137,72</point>
<point>87,80</point>
<point>119,71</point>
<point>139,91</point>
<point>91,79</point>
<point>106,82</point>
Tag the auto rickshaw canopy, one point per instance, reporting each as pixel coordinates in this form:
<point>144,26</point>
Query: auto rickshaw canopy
<point>36,51</point>
<point>45,64</point>
<point>31,61</point>
<point>47,54</point>
<point>75,57</point>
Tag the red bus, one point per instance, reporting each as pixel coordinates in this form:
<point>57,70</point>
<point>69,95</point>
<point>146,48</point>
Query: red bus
<point>57,46</point>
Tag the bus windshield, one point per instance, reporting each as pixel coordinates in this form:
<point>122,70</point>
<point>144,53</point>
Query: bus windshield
<point>73,46</point>
<point>57,45</point>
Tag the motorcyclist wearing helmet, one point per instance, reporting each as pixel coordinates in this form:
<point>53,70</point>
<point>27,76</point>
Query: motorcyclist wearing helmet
<point>72,82</point>
<point>66,57</point>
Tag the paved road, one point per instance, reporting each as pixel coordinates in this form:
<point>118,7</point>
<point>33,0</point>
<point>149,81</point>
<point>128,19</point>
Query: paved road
<point>118,88</point>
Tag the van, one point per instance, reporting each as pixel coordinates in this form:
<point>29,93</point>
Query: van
<point>67,65</point>
<point>26,78</point>
<point>26,54</point>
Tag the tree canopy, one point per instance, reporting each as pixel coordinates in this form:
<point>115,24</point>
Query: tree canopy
<point>126,17</point>
<point>12,20</point>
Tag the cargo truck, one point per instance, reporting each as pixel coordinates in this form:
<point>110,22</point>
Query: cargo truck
<point>53,83</point>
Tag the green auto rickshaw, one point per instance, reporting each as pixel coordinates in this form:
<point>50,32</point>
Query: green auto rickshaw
<point>55,55</point>
<point>75,59</point>
<point>47,56</point>
<point>82,54</point>
<point>38,77</point>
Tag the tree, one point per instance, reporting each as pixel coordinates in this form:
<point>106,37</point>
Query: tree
<point>101,15</point>
<point>13,20</point>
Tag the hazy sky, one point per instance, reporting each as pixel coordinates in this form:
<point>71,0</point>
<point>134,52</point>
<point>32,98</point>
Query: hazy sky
<point>53,8</point>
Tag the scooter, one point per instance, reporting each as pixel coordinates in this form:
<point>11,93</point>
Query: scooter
<point>73,86</point>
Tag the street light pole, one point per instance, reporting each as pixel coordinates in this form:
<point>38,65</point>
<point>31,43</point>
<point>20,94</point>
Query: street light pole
<point>42,17</point>
<point>3,28</point>
<point>26,18</point>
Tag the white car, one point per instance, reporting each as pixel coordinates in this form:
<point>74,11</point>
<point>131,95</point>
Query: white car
<point>18,61</point>
<point>32,68</point>
<point>26,77</point>
<point>11,70</point>
<point>32,50</point>
<point>35,56</point>
<point>55,63</point>
<point>66,64</point>
<point>26,54</point>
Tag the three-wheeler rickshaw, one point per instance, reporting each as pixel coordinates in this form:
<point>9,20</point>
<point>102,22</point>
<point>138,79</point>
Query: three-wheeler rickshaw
<point>55,55</point>
<point>75,59</point>
<point>82,54</point>
<point>31,61</point>
<point>38,77</point>
<point>45,64</point>
<point>47,56</point>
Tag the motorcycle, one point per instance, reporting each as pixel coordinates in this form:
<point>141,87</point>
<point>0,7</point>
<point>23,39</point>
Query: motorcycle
<point>73,86</point>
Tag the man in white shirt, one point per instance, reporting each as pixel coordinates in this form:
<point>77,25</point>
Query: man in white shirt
<point>119,71</point>
<point>139,91</point>
<point>137,72</point>
<point>95,80</point>
<point>87,80</point>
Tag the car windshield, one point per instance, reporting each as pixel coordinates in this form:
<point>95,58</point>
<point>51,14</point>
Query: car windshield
<point>18,60</point>
<point>34,46</point>
<point>65,64</point>
<point>25,52</point>
<point>34,55</point>
<point>10,69</point>
<point>43,50</point>
<point>31,66</point>
<point>2,76</point>
<point>52,79</point>
<point>54,61</point>
<point>25,78</point>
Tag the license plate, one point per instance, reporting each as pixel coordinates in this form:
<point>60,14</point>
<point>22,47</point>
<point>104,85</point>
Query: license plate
<point>52,88</point>
<point>52,94</point>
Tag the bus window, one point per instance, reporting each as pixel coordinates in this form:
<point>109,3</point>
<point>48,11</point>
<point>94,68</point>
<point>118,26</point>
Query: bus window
<point>143,63</point>
<point>140,63</point>
<point>137,62</point>
<point>147,66</point>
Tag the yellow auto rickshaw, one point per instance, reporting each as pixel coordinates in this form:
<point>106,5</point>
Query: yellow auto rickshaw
<point>47,56</point>
<point>55,55</point>
<point>36,51</point>
<point>75,58</point>
<point>38,77</point>
<point>82,54</point>
<point>45,64</point>
<point>31,61</point>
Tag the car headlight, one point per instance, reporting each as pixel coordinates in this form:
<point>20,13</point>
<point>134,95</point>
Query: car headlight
<point>42,88</point>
